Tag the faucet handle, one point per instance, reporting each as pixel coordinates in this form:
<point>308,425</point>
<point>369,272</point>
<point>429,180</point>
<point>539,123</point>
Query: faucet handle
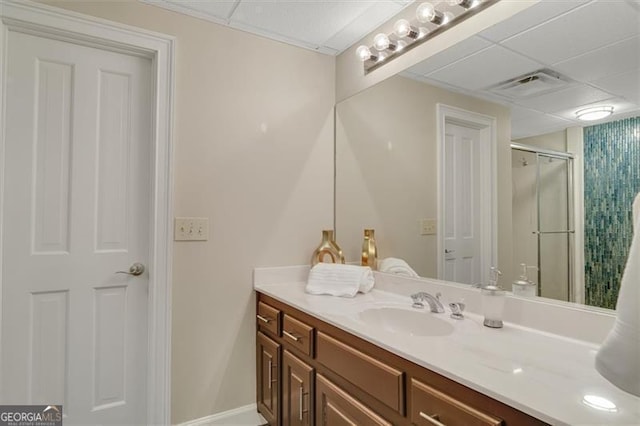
<point>417,301</point>
<point>456,310</point>
<point>494,274</point>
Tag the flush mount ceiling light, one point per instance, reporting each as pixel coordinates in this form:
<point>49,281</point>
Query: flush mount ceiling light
<point>429,22</point>
<point>594,113</point>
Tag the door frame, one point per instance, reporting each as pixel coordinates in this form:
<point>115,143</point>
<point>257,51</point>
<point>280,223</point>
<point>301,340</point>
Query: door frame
<point>487,126</point>
<point>64,25</point>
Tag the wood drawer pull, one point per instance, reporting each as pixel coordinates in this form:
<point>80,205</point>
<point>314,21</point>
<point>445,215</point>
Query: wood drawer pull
<point>291,336</point>
<point>263,319</point>
<point>431,419</point>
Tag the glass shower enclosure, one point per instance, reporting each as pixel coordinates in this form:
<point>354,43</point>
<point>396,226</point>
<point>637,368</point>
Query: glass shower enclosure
<point>543,233</point>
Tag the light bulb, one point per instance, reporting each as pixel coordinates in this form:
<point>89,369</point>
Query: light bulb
<point>364,53</point>
<point>381,42</point>
<point>425,12</point>
<point>402,28</point>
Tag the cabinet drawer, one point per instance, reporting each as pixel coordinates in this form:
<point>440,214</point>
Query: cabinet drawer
<point>431,407</point>
<point>381,381</point>
<point>335,407</point>
<point>298,334</point>
<point>268,318</point>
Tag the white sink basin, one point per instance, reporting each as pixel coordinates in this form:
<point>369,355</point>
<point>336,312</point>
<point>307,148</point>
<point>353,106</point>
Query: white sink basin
<point>404,321</point>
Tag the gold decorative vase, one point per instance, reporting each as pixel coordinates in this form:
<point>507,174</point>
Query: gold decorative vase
<point>328,247</point>
<point>369,250</point>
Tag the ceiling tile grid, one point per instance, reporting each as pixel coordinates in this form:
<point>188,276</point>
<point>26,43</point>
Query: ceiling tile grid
<point>593,44</point>
<point>327,26</point>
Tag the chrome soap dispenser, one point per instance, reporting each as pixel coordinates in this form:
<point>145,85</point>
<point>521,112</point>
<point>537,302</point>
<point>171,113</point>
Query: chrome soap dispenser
<point>524,286</point>
<point>493,299</point>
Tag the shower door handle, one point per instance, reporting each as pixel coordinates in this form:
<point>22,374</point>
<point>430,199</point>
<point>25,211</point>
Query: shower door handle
<point>570,231</point>
<point>449,251</point>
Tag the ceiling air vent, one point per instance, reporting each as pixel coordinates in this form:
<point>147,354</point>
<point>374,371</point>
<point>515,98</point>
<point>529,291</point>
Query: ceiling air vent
<point>534,84</point>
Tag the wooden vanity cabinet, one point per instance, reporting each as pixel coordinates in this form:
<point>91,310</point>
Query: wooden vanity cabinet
<point>319,374</point>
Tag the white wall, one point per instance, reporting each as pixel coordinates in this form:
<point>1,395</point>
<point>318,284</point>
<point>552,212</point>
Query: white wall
<point>386,170</point>
<point>254,153</point>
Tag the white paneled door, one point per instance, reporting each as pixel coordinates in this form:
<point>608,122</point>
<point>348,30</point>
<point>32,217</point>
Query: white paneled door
<point>76,210</point>
<point>462,224</point>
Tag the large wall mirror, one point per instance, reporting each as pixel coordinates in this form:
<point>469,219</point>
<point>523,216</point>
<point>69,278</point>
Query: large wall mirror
<point>480,146</point>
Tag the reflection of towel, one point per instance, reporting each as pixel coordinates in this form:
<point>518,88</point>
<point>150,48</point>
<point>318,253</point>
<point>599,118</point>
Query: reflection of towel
<point>618,359</point>
<point>339,280</point>
<point>392,265</point>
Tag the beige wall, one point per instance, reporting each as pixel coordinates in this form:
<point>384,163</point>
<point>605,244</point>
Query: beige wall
<point>386,170</point>
<point>556,141</point>
<point>254,153</point>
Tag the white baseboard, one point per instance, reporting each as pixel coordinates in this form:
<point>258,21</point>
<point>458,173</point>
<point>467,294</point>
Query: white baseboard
<point>247,415</point>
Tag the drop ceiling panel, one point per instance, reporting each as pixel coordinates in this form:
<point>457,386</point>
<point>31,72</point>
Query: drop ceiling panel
<point>613,59</point>
<point>530,17</point>
<point>372,17</point>
<point>312,22</point>
<point>575,96</point>
<point>577,32</point>
<point>537,124</point>
<point>219,8</point>
<point>626,85</point>
<point>450,55</point>
<point>479,71</point>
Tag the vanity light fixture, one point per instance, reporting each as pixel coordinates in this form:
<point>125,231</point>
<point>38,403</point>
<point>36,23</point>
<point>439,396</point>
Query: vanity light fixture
<point>406,35</point>
<point>599,403</point>
<point>594,113</point>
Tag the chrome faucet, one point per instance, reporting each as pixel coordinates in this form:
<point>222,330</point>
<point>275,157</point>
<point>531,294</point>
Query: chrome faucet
<point>434,302</point>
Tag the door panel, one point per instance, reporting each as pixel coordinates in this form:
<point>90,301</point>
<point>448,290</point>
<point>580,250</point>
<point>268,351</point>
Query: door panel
<point>462,208</point>
<point>268,362</point>
<point>297,391</point>
<point>76,210</point>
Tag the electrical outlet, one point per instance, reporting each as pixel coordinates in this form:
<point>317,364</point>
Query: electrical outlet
<point>191,229</point>
<point>428,227</point>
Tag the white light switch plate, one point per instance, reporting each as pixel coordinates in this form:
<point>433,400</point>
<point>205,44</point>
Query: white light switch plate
<point>191,229</point>
<point>428,227</point>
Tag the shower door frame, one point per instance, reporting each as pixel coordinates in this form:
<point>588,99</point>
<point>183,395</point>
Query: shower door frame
<point>571,211</point>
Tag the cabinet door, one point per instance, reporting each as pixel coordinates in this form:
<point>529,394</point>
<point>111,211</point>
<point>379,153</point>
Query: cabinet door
<point>297,391</point>
<point>268,384</point>
<point>337,408</point>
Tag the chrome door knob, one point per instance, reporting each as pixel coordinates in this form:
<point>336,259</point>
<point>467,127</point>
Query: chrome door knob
<point>135,270</point>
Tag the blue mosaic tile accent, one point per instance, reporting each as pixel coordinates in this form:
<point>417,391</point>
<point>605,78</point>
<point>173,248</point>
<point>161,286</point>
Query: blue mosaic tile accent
<point>611,182</point>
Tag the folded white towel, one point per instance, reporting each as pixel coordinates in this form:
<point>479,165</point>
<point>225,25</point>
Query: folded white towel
<point>396,266</point>
<point>618,359</point>
<point>337,279</point>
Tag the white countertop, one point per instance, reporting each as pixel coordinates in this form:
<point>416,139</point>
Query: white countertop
<point>541,374</point>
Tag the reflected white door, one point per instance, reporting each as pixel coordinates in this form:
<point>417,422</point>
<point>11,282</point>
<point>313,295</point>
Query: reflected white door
<point>76,210</point>
<point>462,208</point>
